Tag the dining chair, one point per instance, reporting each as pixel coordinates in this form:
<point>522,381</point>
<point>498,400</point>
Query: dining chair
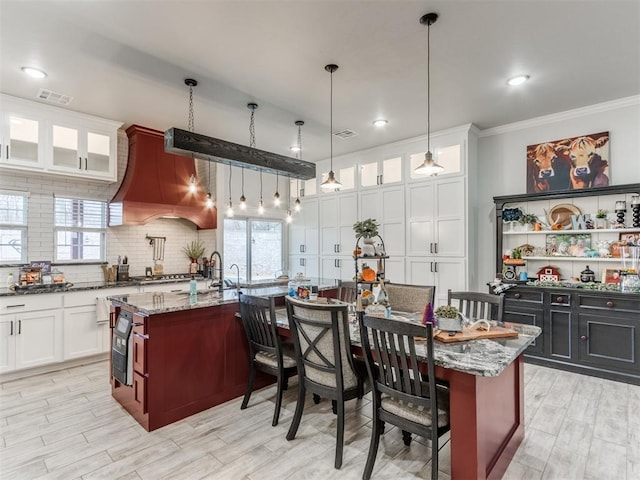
<point>326,366</point>
<point>266,351</point>
<point>403,393</point>
<point>478,306</point>
<point>347,292</point>
<point>410,298</point>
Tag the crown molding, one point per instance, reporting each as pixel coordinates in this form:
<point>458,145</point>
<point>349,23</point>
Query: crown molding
<point>562,116</point>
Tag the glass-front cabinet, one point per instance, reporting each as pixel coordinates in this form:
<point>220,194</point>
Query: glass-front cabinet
<point>383,172</point>
<point>49,139</point>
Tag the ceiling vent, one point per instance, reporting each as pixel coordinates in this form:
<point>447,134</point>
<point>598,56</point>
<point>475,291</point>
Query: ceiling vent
<point>53,97</point>
<point>346,133</point>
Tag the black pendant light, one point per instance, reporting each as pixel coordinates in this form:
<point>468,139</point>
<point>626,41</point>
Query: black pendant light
<point>297,204</point>
<point>190,82</point>
<point>429,166</point>
<point>331,183</point>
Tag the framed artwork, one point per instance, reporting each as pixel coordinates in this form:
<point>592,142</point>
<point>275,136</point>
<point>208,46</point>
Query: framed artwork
<point>630,238</point>
<point>610,275</point>
<point>568,244</point>
<point>574,163</point>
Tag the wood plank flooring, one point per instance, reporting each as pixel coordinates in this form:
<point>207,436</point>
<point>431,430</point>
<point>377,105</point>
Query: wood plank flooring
<point>65,425</point>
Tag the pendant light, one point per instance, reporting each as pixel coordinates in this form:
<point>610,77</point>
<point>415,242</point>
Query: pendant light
<point>252,144</point>
<point>297,205</point>
<point>331,183</point>
<point>429,166</point>
<point>230,206</point>
<point>243,200</point>
<point>261,204</point>
<point>190,82</point>
<point>209,202</point>
<point>276,196</point>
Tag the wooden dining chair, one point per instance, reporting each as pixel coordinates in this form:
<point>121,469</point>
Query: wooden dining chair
<point>326,366</point>
<point>347,292</point>
<point>402,394</point>
<point>266,351</point>
<point>477,306</point>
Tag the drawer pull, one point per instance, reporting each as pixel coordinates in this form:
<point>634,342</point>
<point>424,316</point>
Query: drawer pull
<point>16,305</point>
<point>559,299</point>
<point>610,304</point>
<point>517,295</point>
<point>583,337</point>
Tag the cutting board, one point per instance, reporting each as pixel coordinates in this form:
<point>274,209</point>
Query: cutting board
<point>495,332</point>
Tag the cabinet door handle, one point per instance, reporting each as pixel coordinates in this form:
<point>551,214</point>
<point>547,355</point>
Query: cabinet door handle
<point>79,163</point>
<point>583,337</point>
<point>435,246</point>
<point>431,247</point>
<point>302,192</point>
<point>302,262</point>
<point>610,304</point>
<point>19,327</point>
<point>559,299</point>
<point>435,266</point>
<point>16,305</point>
<point>301,250</point>
<point>11,332</point>
<point>431,266</point>
<point>86,162</point>
<point>7,151</point>
<point>517,295</point>
<point>338,248</point>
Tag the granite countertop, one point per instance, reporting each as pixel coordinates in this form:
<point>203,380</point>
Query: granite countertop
<point>156,302</point>
<point>481,357</point>
<point>69,287</point>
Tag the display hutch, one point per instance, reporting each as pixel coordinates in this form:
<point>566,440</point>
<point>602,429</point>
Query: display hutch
<point>587,328</point>
<point>371,274</point>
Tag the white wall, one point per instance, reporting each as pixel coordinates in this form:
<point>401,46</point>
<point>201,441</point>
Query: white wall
<point>125,240</point>
<point>502,158</point>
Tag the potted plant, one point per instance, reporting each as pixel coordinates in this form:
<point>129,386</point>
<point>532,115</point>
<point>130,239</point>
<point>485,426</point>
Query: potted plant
<point>528,220</point>
<point>366,228</point>
<point>194,251</point>
<point>601,218</point>
<point>448,318</point>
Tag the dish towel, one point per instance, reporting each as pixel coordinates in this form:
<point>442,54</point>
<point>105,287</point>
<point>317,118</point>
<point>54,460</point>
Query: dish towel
<point>102,309</point>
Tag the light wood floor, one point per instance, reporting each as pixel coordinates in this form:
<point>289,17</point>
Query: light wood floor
<point>65,425</point>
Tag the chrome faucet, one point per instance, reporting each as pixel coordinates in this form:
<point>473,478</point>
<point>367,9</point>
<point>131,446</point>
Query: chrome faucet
<point>238,274</point>
<point>216,280</point>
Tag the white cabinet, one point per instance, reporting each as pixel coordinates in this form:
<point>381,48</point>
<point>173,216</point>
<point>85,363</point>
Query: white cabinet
<point>437,218</point>
<point>337,267</point>
<point>31,331</point>
<point>302,188</point>
<point>381,172</point>
<point>303,231</point>
<point>445,273</point>
<point>386,206</point>
<point>48,139</point>
<point>22,137</point>
<point>82,332</point>
<point>305,264</point>
<point>338,213</point>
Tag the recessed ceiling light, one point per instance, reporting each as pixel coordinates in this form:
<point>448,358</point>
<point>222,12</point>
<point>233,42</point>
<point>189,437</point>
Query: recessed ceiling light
<point>294,148</point>
<point>381,122</point>
<point>34,72</point>
<point>517,80</point>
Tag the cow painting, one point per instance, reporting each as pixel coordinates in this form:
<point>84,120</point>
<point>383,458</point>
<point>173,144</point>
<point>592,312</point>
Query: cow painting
<point>568,164</point>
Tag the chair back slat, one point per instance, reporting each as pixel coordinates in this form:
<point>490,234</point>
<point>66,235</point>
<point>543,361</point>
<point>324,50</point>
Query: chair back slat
<point>259,320</point>
<point>478,306</point>
<point>392,342</point>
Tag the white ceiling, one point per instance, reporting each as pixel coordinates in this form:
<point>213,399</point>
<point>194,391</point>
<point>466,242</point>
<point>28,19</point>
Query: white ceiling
<point>127,60</point>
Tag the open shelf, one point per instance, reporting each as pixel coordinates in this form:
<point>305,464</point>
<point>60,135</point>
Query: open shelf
<point>563,232</point>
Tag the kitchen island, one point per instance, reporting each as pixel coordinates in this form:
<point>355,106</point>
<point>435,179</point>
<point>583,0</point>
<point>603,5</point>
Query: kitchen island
<point>187,353</point>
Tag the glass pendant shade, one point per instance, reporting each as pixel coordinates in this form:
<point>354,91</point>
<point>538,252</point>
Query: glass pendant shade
<point>193,188</point>
<point>230,210</point>
<point>297,205</point>
<point>209,202</point>
<point>331,183</point>
<point>429,166</point>
<point>276,199</point>
<point>261,207</point>
<point>243,203</point>
<point>289,217</point>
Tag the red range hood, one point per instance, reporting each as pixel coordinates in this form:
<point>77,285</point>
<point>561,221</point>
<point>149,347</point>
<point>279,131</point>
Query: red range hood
<point>156,183</point>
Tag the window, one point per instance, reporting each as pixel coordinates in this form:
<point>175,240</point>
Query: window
<point>80,229</point>
<point>13,227</point>
<point>255,245</point>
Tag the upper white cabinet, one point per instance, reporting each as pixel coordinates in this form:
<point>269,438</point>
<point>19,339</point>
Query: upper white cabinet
<point>338,213</point>
<point>381,172</point>
<point>53,140</point>
<point>386,205</point>
<point>303,230</point>
<point>303,188</point>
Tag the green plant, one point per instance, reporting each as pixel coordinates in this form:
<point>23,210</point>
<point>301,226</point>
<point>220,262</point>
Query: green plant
<point>447,311</point>
<point>601,213</point>
<point>366,228</point>
<point>194,250</point>
<point>528,218</point>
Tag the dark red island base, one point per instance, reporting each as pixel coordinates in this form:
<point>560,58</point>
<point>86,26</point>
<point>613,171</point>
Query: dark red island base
<point>184,362</point>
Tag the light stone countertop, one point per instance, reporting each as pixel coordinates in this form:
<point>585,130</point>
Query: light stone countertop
<point>481,357</point>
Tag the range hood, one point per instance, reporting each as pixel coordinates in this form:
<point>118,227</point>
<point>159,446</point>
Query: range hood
<point>155,185</point>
